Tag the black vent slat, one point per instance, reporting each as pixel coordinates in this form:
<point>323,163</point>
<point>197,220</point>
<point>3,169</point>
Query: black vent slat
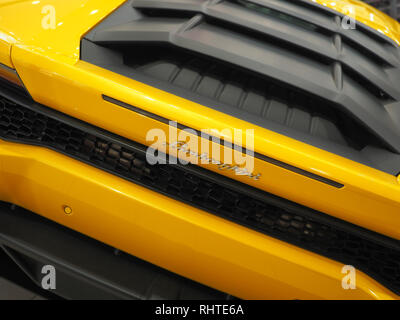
<point>206,39</point>
<point>24,121</point>
<point>315,13</point>
<point>265,58</point>
<point>312,40</point>
<point>380,36</point>
<point>328,21</point>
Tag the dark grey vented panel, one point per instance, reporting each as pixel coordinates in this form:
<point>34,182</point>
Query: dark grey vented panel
<point>347,79</point>
<point>253,100</point>
<point>274,24</point>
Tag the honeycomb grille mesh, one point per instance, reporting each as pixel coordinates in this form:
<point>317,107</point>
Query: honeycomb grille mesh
<point>286,222</point>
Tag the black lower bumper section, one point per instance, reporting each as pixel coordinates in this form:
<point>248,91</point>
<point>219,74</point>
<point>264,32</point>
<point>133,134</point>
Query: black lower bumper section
<point>86,268</point>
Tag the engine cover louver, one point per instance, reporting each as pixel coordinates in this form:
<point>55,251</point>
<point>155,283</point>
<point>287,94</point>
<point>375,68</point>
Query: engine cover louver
<point>24,121</point>
<point>287,66</point>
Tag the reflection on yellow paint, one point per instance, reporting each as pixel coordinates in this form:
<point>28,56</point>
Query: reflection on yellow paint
<point>23,19</point>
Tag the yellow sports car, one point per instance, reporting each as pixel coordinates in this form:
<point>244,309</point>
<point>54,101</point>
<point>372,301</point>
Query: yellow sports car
<point>201,149</point>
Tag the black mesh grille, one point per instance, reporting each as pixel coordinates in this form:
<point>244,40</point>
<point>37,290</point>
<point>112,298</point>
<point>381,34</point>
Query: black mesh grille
<point>374,254</point>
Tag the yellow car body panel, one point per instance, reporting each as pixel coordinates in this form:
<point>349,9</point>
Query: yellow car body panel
<point>5,50</point>
<point>62,43</point>
<point>163,231</point>
<point>365,192</point>
<point>28,23</point>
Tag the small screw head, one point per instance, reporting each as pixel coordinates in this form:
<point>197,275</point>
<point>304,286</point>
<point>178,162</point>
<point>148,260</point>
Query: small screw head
<point>67,210</point>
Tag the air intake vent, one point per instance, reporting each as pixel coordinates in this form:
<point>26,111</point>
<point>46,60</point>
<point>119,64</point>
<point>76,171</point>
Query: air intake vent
<point>23,121</point>
<point>287,66</point>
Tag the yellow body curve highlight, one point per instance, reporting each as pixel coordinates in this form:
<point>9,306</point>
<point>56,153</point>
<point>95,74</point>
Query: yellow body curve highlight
<point>161,230</point>
<point>178,237</point>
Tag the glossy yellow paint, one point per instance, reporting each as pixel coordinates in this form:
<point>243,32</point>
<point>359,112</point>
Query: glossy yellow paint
<point>5,49</point>
<point>28,23</point>
<point>165,232</point>
<point>370,197</point>
<point>222,254</point>
<point>62,42</point>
